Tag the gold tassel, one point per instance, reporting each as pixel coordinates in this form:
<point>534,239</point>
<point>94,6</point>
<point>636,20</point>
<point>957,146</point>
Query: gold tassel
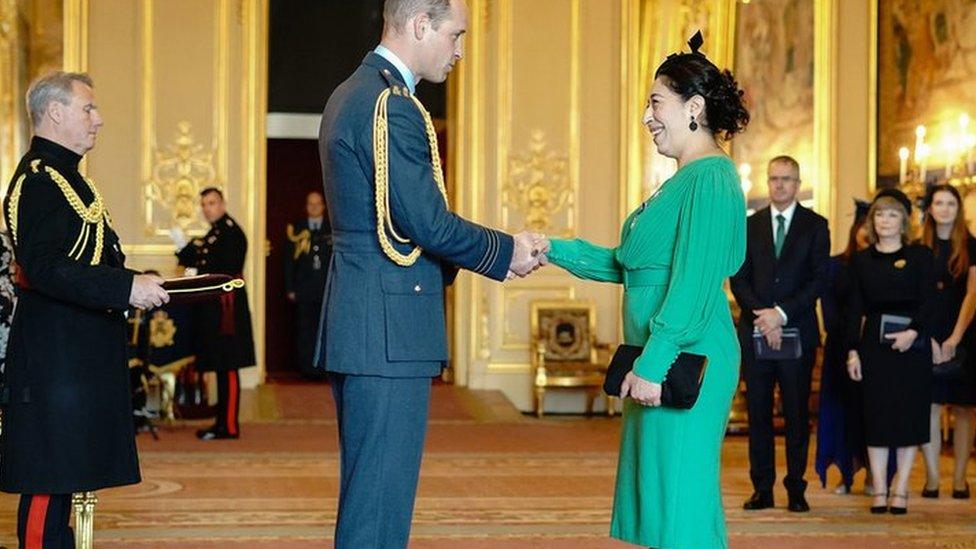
<point>384,221</point>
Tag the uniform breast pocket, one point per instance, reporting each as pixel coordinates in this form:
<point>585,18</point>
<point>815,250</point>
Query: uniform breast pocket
<point>414,316</point>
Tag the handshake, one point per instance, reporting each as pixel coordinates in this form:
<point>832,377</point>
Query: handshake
<point>531,251</point>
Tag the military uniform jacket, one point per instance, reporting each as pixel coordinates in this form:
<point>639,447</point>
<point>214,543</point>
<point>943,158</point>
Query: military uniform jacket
<point>380,318</point>
<point>223,338</point>
<point>67,424</point>
<point>307,257</point>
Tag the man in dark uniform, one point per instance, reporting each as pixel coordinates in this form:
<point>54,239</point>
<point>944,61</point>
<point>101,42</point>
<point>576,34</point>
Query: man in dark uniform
<point>224,341</point>
<point>395,246</point>
<point>307,255</point>
<point>67,419</point>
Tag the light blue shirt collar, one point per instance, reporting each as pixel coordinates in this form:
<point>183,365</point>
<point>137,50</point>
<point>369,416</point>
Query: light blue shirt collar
<point>405,72</point>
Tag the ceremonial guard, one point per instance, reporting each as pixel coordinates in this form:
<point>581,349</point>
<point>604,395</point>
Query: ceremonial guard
<point>67,416</point>
<point>223,340</point>
<point>307,255</point>
<point>396,245</point>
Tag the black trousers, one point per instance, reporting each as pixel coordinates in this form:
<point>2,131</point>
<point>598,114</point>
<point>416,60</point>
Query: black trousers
<point>228,402</point>
<point>793,378</point>
<point>42,522</point>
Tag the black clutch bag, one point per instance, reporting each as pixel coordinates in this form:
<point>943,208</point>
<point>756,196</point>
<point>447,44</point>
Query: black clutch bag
<point>680,387</point>
<point>951,370</point>
<point>892,324</point>
<point>789,349</point>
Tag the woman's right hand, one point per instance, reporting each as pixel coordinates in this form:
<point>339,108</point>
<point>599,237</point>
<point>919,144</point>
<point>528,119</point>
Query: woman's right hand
<point>854,366</point>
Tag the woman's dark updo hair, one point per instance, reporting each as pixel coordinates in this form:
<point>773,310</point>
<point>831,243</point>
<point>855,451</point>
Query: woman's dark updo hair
<point>691,74</point>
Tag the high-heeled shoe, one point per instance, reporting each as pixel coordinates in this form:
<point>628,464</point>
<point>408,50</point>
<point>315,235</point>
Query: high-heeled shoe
<point>961,494</point>
<point>880,509</point>
<point>932,494</point>
<point>899,510</point>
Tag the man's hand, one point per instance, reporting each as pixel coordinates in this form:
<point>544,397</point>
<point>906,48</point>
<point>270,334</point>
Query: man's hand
<point>775,339</point>
<point>642,391</point>
<point>527,256</point>
<point>147,292</point>
<point>767,320</point>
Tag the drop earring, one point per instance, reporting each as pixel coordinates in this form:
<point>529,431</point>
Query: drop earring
<point>694,124</point>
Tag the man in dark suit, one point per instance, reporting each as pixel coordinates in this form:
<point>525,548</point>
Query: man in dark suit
<point>778,287</point>
<point>395,247</point>
<point>307,255</point>
<point>67,415</point>
<point>223,337</point>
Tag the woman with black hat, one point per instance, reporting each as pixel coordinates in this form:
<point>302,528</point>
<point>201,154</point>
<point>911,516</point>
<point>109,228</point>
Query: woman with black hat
<point>945,232</point>
<point>891,313</point>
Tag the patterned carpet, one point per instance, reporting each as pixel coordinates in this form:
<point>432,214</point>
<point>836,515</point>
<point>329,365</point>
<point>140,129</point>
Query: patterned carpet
<point>491,479</point>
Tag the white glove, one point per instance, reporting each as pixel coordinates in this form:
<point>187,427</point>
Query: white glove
<point>178,236</point>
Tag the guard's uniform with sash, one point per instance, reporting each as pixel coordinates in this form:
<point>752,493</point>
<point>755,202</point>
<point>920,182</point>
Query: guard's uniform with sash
<point>67,416</point>
<point>382,333</point>
<point>307,256</point>
<point>224,340</point>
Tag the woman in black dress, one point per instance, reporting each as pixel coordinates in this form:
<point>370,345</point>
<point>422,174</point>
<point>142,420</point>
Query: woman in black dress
<point>892,278</point>
<point>840,431</point>
<point>945,232</point>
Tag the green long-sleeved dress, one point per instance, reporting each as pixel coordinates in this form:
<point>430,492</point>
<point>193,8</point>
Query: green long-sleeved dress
<point>674,256</point>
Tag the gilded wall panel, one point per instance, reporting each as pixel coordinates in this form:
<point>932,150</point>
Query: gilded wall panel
<point>537,150</point>
<point>926,76</point>
<point>181,86</point>
<point>774,65</point>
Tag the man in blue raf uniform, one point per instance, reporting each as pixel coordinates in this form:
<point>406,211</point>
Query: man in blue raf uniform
<point>67,416</point>
<point>395,246</point>
<point>307,255</point>
<point>223,338</point>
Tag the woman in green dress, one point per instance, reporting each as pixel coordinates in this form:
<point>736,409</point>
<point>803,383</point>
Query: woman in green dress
<point>674,255</point>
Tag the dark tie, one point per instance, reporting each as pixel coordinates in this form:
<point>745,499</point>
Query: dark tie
<point>780,234</point>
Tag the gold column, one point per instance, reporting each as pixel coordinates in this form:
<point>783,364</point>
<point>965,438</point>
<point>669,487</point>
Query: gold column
<point>10,118</point>
<point>824,121</point>
<point>76,35</point>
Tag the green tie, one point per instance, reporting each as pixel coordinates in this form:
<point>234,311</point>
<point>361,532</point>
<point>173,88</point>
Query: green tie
<point>780,234</point>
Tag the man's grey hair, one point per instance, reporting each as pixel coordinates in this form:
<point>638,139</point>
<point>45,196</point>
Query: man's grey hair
<point>396,13</point>
<point>56,86</point>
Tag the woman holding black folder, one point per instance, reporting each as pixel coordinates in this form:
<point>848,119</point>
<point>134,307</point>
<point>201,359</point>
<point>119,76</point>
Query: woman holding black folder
<point>891,313</point>
<point>675,253</point>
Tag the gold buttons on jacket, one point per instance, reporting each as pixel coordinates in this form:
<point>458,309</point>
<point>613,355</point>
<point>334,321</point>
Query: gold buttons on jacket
<point>900,264</point>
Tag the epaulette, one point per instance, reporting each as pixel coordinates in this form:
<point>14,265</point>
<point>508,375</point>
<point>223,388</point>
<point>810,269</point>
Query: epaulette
<point>396,87</point>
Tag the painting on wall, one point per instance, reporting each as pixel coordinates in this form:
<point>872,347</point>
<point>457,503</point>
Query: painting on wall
<point>774,64</point>
<point>927,80</point>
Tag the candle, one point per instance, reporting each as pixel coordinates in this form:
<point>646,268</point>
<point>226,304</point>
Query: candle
<point>902,165</point>
<point>949,150</point>
<point>971,147</point>
<point>922,159</point>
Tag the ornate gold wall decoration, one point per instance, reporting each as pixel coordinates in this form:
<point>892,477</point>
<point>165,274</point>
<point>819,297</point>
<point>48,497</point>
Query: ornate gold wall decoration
<point>180,171</point>
<point>162,330</point>
<point>538,189</point>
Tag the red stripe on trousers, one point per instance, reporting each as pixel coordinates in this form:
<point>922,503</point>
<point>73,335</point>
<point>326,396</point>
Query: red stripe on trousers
<point>232,402</point>
<point>36,517</point>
